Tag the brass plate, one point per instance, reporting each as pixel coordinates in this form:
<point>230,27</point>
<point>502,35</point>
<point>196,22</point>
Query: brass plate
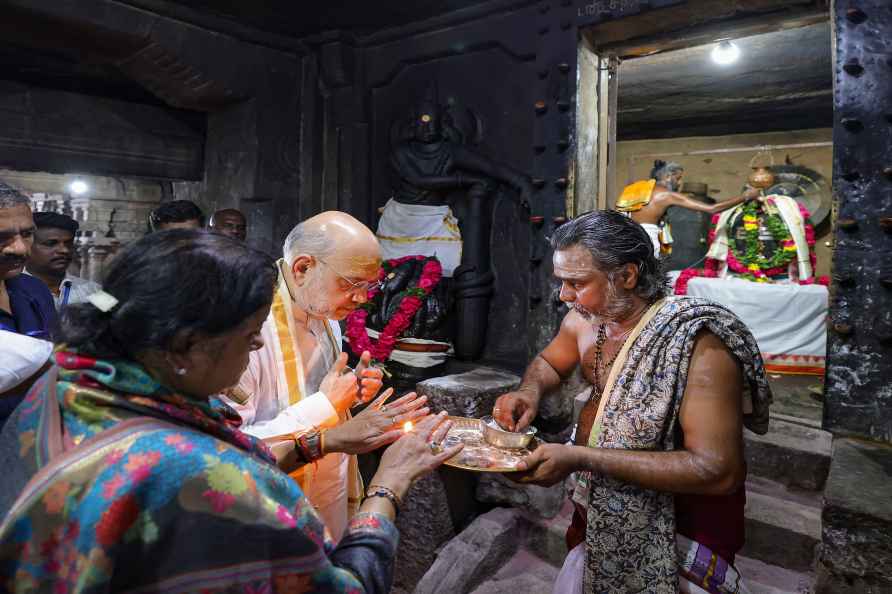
<point>477,455</point>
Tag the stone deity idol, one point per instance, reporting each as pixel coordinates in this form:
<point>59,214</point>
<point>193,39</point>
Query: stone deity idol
<point>435,166</point>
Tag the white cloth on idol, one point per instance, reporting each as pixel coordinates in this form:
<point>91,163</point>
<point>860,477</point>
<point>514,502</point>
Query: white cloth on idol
<point>420,230</point>
<point>417,359</point>
<point>720,244</point>
<point>268,413</point>
<point>789,212</point>
<point>20,358</point>
<point>653,232</point>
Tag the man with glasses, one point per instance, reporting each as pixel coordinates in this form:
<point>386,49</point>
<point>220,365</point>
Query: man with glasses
<point>297,388</point>
<point>27,312</point>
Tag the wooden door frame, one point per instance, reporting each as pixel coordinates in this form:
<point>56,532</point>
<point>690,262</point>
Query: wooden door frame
<point>603,46</point>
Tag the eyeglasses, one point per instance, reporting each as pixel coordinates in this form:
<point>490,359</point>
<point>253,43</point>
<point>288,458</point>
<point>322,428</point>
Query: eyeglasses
<point>355,287</point>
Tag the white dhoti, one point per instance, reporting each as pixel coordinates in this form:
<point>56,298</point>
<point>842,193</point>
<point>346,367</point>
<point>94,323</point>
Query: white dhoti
<point>420,230</point>
<point>653,231</point>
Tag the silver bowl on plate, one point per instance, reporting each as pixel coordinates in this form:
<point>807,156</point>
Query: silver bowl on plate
<point>495,435</point>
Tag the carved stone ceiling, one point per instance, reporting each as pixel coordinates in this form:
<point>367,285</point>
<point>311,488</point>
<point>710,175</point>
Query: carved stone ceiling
<point>302,18</point>
<point>782,81</point>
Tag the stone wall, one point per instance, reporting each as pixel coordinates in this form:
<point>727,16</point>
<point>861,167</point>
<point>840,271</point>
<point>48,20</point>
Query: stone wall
<point>130,199</point>
<point>62,132</point>
<point>245,93</point>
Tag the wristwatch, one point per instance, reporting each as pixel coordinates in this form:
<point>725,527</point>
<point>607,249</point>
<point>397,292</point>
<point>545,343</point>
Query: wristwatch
<point>380,491</point>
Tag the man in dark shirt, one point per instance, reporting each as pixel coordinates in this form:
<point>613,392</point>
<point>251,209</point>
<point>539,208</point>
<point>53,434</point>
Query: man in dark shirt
<point>26,305</point>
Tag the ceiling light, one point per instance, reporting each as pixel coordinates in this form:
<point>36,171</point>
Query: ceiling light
<point>78,187</point>
<point>725,53</point>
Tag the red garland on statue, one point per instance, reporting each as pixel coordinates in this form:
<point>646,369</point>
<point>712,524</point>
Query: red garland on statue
<point>413,298</point>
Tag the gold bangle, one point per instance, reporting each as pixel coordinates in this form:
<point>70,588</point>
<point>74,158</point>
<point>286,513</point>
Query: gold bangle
<point>322,442</point>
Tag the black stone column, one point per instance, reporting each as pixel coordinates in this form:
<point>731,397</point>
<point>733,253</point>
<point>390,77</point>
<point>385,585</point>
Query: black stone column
<point>856,554</point>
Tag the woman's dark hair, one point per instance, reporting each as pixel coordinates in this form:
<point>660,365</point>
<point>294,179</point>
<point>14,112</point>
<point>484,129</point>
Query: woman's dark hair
<point>181,280</point>
<point>175,211</point>
<point>615,240</point>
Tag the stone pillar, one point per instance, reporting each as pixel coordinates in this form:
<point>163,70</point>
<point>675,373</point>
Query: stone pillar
<point>439,506</point>
<point>97,254</point>
<point>856,555</point>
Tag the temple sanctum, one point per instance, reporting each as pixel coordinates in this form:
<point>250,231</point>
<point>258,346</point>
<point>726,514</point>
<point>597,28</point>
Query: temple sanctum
<point>588,226</point>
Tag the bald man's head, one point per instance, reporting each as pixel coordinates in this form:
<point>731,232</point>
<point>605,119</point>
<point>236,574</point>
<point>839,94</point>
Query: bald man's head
<point>337,238</point>
<point>333,258</point>
<point>230,222</point>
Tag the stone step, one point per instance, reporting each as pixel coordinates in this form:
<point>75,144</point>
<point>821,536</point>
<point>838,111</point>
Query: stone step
<point>524,572</point>
<point>783,526</point>
<point>547,537</point>
<point>763,578</point>
<point>475,555</point>
<point>793,453</point>
<point>856,555</point>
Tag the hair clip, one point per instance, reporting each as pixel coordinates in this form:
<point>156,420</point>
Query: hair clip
<point>103,301</point>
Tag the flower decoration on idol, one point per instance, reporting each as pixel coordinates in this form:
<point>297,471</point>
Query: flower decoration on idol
<point>412,300</point>
<point>750,263</point>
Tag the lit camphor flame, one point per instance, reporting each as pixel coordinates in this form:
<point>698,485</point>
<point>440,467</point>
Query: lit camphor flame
<point>408,426</point>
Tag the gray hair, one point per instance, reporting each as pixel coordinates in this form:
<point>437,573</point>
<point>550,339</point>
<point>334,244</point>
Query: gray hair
<point>615,240</point>
<point>10,197</point>
<point>305,239</point>
<point>662,168</point>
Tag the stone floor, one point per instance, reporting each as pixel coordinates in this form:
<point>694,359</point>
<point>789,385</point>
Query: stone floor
<point>798,396</point>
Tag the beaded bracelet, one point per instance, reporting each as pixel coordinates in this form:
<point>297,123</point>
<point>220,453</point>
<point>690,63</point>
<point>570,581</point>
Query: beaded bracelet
<point>381,491</point>
<point>309,446</point>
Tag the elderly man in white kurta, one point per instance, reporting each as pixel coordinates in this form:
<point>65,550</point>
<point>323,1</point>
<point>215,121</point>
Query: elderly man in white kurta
<point>296,385</point>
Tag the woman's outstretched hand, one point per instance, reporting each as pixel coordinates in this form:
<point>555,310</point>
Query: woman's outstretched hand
<point>415,454</point>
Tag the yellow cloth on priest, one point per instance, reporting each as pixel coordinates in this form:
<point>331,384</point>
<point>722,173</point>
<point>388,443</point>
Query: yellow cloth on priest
<point>636,196</point>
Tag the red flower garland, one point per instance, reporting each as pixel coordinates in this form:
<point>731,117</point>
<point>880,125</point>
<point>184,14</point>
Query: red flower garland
<point>380,349</point>
<point>711,266</point>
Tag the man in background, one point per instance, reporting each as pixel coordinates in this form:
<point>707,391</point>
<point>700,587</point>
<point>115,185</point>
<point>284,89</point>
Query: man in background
<point>647,202</point>
<point>176,214</point>
<point>51,256</point>
<point>229,222</point>
<point>26,305</point>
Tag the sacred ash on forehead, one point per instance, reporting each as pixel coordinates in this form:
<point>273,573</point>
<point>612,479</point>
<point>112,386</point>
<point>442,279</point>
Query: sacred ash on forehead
<point>575,262</point>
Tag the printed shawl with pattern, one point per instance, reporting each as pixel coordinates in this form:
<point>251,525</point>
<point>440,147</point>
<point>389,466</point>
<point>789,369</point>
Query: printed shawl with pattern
<point>121,485</point>
<point>630,535</point>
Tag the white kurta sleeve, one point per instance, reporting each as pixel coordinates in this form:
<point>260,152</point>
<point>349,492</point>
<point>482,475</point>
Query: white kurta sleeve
<point>261,414</point>
<point>21,357</point>
<point>313,412</point>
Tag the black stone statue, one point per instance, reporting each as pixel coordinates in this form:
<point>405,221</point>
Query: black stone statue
<point>434,164</point>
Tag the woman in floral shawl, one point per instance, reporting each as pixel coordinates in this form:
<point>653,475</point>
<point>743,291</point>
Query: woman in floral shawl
<point>124,474</point>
